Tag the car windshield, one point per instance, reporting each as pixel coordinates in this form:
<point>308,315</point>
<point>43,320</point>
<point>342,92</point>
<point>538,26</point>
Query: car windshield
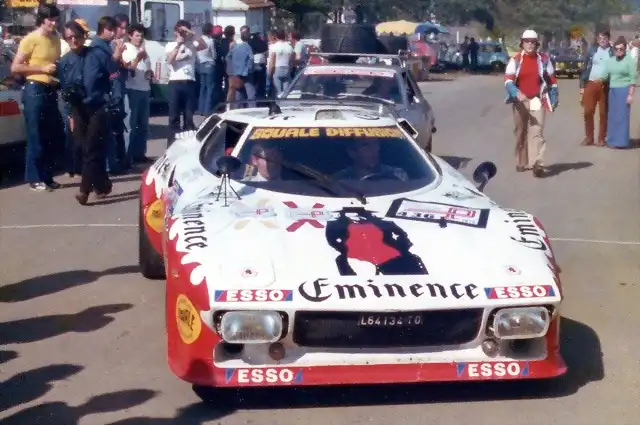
<point>371,161</point>
<point>357,83</point>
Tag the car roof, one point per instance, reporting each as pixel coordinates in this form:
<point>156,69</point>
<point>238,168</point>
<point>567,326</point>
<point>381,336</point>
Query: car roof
<point>374,115</point>
<point>381,66</point>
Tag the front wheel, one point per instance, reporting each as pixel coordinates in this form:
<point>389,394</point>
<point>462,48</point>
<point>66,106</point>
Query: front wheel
<point>150,261</point>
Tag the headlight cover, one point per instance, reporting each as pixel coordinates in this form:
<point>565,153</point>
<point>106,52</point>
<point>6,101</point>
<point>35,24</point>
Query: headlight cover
<point>251,327</point>
<point>521,323</point>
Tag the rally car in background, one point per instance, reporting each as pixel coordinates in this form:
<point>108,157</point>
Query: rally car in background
<point>379,77</point>
<point>566,61</point>
<point>317,244</point>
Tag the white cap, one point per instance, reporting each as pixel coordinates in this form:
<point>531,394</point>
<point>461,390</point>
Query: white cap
<point>529,34</point>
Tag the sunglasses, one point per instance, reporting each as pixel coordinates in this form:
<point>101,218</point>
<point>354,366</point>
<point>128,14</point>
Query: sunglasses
<point>73,37</point>
<point>619,48</point>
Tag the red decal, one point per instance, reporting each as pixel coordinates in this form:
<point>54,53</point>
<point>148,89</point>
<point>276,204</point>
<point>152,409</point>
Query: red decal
<point>511,292</point>
<point>251,295</point>
<point>312,221</point>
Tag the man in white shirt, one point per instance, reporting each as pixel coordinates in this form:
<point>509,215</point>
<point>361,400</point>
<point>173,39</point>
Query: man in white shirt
<point>181,60</point>
<point>281,60</point>
<point>138,86</point>
<point>206,69</point>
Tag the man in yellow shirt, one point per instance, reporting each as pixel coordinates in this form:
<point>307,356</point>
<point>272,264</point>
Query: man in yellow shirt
<point>36,61</point>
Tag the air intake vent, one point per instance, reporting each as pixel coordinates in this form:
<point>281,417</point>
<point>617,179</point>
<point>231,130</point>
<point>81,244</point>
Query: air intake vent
<point>329,114</point>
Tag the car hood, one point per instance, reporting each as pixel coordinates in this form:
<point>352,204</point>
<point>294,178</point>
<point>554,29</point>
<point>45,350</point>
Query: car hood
<point>450,247</point>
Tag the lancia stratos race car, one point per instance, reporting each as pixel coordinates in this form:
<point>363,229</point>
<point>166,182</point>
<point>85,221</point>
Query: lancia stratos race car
<point>319,245</point>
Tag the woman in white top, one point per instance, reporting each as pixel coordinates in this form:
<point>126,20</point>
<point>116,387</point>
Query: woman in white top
<point>281,60</point>
<point>138,87</point>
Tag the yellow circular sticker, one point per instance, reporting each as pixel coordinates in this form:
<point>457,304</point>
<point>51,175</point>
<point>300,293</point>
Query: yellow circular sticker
<point>188,319</point>
<point>155,215</point>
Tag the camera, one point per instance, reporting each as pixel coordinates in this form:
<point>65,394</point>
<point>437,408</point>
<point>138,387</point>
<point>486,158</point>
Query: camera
<point>74,94</point>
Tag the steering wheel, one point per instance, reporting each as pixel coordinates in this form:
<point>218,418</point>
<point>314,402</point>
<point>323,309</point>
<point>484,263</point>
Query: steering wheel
<point>381,175</point>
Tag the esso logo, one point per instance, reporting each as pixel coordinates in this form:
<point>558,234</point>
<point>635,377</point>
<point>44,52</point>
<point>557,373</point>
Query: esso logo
<point>496,370</point>
<point>267,376</point>
<point>254,295</point>
<point>511,292</point>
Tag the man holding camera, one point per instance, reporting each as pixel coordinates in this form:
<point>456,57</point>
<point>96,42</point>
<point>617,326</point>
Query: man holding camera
<point>181,59</point>
<point>91,118</point>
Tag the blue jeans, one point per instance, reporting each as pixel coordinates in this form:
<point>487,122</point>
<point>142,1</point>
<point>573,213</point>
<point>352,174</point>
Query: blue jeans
<point>139,106</point>
<point>45,131</point>
<point>281,80</point>
<point>247,92</point>
<point>206,98</point>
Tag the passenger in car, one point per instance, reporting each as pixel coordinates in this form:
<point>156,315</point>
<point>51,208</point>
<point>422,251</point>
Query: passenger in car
<point>264,163</point>
<point>366,163</point>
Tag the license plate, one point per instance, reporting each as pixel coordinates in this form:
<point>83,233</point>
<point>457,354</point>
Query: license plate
<point>390,320</point>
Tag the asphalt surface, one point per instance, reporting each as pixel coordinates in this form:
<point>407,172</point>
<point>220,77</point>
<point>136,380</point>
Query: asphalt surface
<point>83,338</point>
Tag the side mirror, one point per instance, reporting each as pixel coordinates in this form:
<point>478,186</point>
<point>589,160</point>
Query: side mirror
<point>228,164</point>
<point>483,173</point>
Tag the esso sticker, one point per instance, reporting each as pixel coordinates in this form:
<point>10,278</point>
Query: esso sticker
<point>514,292</point>
<point>263,376</point>
<point>492,370</point>
<point>253,295</point>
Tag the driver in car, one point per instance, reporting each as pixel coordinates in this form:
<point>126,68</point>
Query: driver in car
<point>366,163</point>
<point>264,163</point>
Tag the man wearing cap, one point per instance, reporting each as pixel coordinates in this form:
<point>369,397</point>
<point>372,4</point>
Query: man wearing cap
<point>532,89</point>
<point>594,90</point>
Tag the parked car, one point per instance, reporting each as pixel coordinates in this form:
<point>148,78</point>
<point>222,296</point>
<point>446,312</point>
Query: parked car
<point>566,61</point>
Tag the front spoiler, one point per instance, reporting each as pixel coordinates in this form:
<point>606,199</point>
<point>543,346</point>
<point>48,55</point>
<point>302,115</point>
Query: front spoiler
<point>386,373</point>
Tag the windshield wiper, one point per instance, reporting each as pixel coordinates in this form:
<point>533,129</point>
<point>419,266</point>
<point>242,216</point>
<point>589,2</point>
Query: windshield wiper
<point>325,181</point>
<point>366,96</point>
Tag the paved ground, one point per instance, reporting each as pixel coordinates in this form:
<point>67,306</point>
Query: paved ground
<point>83,333</point>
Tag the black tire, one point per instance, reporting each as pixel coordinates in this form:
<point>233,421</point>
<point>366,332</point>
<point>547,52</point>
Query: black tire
<point>393,43</point>
<point>151,263</point>
<point>348,38</point>
<point>498,67</point>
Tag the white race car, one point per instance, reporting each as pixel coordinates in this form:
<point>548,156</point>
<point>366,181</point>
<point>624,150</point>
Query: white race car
<point>319,245</point>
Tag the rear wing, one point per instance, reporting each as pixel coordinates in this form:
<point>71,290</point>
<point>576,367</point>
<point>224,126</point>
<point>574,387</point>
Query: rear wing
<point>403,58</point>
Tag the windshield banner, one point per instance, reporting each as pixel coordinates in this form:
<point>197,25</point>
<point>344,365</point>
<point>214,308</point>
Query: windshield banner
<point>292,133</point>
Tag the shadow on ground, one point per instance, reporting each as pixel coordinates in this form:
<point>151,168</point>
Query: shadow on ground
<point>555,169</point>
<point>43,327</point>
<point>581,350</point>
<point>60,413</point>
<point>52,283</point>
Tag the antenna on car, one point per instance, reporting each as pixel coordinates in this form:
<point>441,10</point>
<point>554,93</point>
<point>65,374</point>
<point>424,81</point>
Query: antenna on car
<point>227,165</point>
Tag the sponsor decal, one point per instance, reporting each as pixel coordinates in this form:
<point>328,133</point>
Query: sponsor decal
<point>253,295</point>
<point>266,133</point>
<point>350,71</point>
<point>263,376</point>
<point>436,212</point>
<point>163,167</point>
<point>492,369</point>
<point>191,175</point>
<point>261,212</point>
<point>530,233</point>
<point>310,216</point>
<point>194,228</point>
<point>460,196</point>
<point>515,292</point>
<point>188,320</point>
<point>323,289</point>
<point>359,235</point>
<point>155,215</point>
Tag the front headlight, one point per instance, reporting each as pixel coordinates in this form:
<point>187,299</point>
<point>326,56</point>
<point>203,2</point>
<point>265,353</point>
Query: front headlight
<point>251,327</point>
<point>521,323</point>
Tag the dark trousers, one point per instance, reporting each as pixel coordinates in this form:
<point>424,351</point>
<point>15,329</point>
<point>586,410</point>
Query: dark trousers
<point>260,81</point>
<point>92,130</point>
<point>117,152</point>
<point>73,150</point>
<point>181,105</point>
<point>45,131</point>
